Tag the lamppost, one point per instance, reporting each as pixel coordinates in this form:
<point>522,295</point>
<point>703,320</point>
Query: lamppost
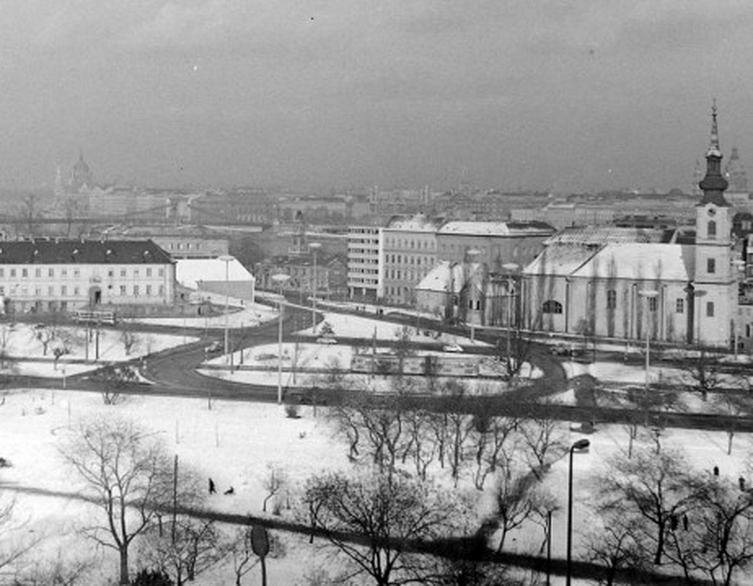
<point>510,267</point>
<point>226,259</point>
<point>648,295</point>
<point>581,444</point>
<point>314,246</point>
<point>280,280</point>
<point>698,295</point>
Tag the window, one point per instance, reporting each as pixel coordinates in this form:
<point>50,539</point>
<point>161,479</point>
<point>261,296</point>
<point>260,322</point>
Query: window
<point>135,290</point>
<point>63,290</point>
<point>63,272</point>
<point>679,306</point>
<point>24,272</point>
<point>76,273</point>
<point>135,273</point>
<point>110,273</point>
<point>122,272</point>
<point>552,306</point>
<point>76,290</point>
<point>38,272</point>
<point>51,291</point>
<point>51,273</point>
<point>13,272</point>
<point>148,290</point>
<point>2,272</point>
<point>709,309</point>
<point>611,299</point>
<point>653,303</point>
<point>711,229</point>
<point>710,265</point>
<point>123,290</point>
<point>149,272</point>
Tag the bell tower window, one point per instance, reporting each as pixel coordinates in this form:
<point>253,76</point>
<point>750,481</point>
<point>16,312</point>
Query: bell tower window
<point>711,229</point>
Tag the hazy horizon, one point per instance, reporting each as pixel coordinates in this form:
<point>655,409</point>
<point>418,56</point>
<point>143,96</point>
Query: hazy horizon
<point>576,96</point>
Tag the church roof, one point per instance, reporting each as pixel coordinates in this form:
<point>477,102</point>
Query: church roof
<point>600,235</point>
<point>637,261</point>
<point>559,260</point>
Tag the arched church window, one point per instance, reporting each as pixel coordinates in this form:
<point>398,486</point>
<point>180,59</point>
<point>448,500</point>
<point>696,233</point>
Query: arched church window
<point>711,229</point>
<point>552,306</point>
<point>611,299</point>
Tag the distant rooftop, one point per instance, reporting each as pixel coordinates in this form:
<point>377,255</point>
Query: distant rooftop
<point>496,228</point>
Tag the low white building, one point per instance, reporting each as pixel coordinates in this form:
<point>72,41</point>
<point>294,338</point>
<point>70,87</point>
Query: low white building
<point>216,276</point>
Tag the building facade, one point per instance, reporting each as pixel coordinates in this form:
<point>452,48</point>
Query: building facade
<point>64,275</point>
<point>365,263</point>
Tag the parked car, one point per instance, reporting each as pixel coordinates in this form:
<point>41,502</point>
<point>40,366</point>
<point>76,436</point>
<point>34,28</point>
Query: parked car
<point>214,347</point>
<point>453,348</point>
<point>326,341</point>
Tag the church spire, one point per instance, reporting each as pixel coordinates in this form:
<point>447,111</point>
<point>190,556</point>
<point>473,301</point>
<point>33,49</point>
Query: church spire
<point>714,184</point>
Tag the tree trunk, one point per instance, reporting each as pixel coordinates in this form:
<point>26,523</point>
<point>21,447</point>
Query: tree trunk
<point>124,566</point>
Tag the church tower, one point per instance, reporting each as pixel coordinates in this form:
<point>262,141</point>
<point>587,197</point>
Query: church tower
<point>715,285</point>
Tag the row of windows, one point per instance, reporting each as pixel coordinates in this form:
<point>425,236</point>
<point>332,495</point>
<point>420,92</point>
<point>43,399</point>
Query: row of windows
<point>552,306</point>
<point>409,259</point>
<point>409,275</point>
<point>39,272</point>
<point>185,246</point>
<point>63,290</point>
<point>411,244</point>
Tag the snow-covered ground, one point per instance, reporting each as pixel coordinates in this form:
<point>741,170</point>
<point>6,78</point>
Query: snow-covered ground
<point>23,341</point>
<point>233,443</point>
<point>351,326</point>
<point>245,315</point>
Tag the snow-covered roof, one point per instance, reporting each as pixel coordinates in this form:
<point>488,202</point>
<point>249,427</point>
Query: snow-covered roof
<point>452,277</point>
<point>190,271</point>
<point>599,235</point>
<point>637,261</point>
<point>417,223</point>
<point>560,259</point>
<point>495,228</point>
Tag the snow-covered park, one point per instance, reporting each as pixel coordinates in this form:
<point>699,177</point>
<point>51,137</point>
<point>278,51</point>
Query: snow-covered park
<point>236,444</point>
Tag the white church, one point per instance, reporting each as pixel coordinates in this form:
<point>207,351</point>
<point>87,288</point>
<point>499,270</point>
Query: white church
<point>625,283</point>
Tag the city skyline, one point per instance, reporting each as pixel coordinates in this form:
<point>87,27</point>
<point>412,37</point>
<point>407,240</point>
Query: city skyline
<point>541,96</point>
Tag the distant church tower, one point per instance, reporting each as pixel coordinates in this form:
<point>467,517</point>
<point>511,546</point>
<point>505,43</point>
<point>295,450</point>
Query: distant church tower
<point>715,285</point>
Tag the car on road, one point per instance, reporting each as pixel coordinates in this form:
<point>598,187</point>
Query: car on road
<point>214,347</point>
<point>453,348</point>
<point>326,341</point>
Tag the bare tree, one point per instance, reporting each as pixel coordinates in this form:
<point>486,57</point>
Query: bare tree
<point>718,539</point>
<point>387,512</point>
<point>14,544</point>
<point>274,482</point>
<point>543,438</point>
<point>114,378</point>
<point>515,499</point>
<point>613,545</point>
<point>652,488</point>
<point>191,548</point>
<point>46,334</point>
<point>702,372</point>
<point>57,572</point>
<point>128,473</point>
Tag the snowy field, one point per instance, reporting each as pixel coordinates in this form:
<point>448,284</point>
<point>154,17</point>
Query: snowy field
<point>25,341</point>
<point>243,314</point>
<point>233,443</point>
<point>350,326</point>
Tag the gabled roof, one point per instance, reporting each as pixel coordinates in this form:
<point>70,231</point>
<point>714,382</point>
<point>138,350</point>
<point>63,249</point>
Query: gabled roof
<point>559,260</point>
<point>600,235</point>
<point>48,252</point>
<point>664,262</point>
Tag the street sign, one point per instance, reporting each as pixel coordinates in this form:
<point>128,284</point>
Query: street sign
<point>259,541</point>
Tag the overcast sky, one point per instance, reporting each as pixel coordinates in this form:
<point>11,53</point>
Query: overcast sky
<point>540,94</point>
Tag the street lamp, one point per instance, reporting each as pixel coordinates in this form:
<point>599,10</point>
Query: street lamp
<point>510,267</point>
<point>226,259</point>
<point>648,295</point>
<point>280,280</point>
<point>581,444</point>
<point>698,295</point>
<point>314,246</point>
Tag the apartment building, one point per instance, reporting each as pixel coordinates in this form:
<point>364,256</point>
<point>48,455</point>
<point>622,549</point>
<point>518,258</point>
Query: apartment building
<point>365,264</point>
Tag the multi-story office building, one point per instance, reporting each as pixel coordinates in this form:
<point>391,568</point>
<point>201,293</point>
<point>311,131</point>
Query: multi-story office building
<point>63,275</point>
<point>365,263</point>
